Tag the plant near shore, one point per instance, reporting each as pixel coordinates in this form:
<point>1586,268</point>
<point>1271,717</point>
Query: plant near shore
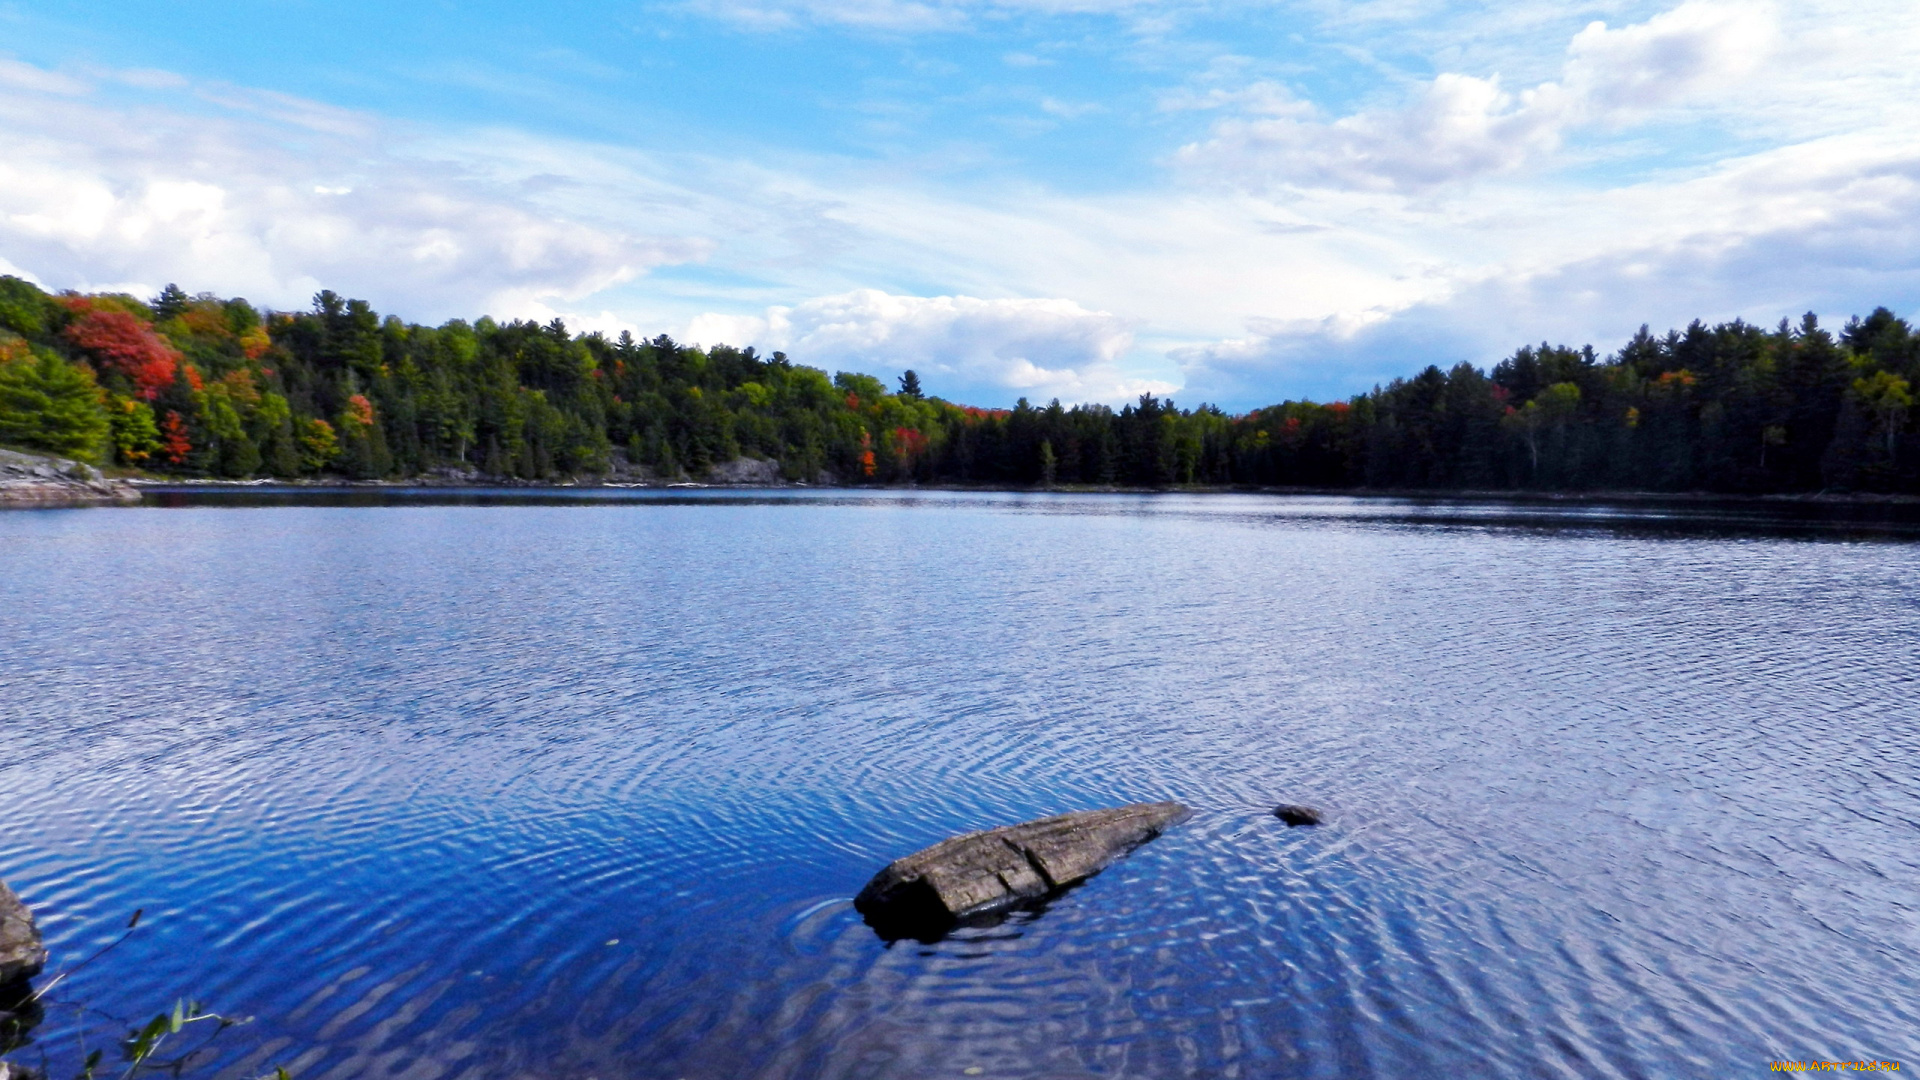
<point>141,1049</point>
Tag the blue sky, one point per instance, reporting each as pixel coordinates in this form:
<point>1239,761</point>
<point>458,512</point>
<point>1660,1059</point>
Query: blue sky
<point>1225,200</point>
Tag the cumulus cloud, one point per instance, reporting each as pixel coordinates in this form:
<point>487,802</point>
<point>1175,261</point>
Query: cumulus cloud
<point>1831,226</point>
<point>1462,126</point>
<point>1038,348</point>
<point>1312,273</point>
<point>271,197</point>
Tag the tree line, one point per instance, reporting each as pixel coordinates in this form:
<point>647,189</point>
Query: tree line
<point>203,386</point>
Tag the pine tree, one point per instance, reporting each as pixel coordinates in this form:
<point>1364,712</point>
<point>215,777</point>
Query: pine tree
<point>47,403</point>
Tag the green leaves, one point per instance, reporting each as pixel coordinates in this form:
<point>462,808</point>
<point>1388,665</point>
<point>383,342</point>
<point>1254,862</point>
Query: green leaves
<point>51,404</point>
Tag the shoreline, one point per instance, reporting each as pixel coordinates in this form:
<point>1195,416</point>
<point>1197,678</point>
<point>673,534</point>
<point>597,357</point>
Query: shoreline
<point>441,483</point>
<point>31,481</point>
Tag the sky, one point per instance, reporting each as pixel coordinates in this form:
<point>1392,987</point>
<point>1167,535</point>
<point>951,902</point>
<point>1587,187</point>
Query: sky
<point>1226,201</point>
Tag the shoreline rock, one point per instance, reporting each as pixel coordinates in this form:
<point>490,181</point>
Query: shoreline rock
<point>22,954</point>
<point>746,472</point>
<point>981,874</point>
<point>44,481</point>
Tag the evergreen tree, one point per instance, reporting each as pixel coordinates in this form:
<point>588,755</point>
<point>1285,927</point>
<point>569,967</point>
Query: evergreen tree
<point>47,403</point>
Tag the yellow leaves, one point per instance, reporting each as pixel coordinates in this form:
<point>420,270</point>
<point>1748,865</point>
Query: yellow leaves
<point>756,395</point>
<point>1560,399</point>
<point>205,320</point>
<point>239,386</point>
<point>255,342</point>
<point>318,445</point>
<point>1883,391</point>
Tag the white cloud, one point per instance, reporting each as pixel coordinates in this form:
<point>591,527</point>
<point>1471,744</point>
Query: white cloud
<point>1695,48</point>
<point>1038,348</point>
<point>1344,256</point>
<point>94,192</point>
<point>1067,110</point>
<point>15,75</point>
<point>1462,126</point>
<point>1831,226</point>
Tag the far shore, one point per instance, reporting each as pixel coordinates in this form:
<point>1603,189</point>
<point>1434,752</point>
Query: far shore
<point>1837,498</point>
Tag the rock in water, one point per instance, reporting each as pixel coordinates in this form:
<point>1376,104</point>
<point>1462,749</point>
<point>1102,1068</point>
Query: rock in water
<point>21,954</point>
<point>1297,815</point>
<point>986,872</point>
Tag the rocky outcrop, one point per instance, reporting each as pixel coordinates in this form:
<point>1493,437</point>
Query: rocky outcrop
<point>1297,815</point>
<point>31,480</point>
<point>21,953</point>
<point>746,472</point>
<point>983,873</point>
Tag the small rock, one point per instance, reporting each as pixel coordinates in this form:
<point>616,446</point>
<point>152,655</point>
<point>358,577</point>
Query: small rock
<point>21,953</point>
<point>1297,815</point>
<point>982,873</point>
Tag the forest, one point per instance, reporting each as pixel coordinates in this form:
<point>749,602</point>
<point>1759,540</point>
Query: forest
<point>199,386</point>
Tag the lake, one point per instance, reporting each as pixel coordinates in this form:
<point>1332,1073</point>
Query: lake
<point>551,784</point>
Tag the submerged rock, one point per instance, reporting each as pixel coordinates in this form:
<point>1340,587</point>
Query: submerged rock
<point>983,873</point>
<point>21,953</point>
<point>1297,815</point>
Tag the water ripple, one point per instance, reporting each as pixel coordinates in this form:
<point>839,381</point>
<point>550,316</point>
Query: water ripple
<point>448,788</point>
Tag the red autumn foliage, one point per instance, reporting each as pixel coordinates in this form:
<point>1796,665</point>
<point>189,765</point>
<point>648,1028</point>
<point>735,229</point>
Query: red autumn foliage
<point>121,342</point>
<point>360,409</point>
<point>909,443</point>
<point>193,377</point>
<point>866,452</point>
<point>973,413</point>
<point>173,438</point>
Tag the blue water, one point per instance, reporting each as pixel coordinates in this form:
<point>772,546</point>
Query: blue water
<point>583,787</point>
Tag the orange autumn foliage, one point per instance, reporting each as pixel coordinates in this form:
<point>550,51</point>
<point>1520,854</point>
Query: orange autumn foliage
<point>240,388</point>
<point>255,342</point>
